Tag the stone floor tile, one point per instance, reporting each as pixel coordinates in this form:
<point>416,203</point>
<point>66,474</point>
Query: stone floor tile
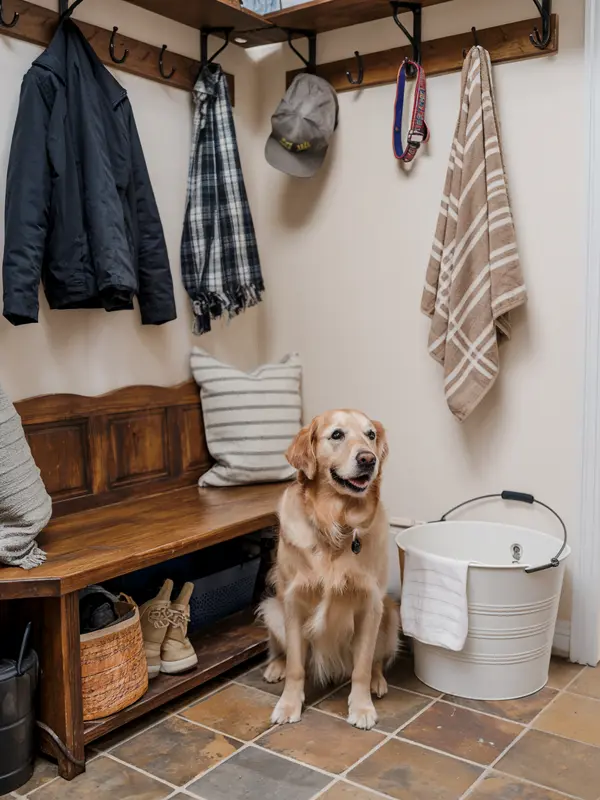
<point>176,750</point>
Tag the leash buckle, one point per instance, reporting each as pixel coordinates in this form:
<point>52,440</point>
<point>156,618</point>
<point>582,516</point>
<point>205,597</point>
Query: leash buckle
<point>415,138</point>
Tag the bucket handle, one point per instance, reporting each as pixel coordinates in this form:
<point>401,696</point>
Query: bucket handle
<point>520,497</point>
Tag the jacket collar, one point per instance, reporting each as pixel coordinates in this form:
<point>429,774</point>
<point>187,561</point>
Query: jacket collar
<point>69,44</point>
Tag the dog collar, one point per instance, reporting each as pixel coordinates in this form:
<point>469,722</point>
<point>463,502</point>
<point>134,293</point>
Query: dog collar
<point>356,542</point>
<point>418,133</point>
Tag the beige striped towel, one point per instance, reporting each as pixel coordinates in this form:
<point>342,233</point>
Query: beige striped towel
<point>474,276</point>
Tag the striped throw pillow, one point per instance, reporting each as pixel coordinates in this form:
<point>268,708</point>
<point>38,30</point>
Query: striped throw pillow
<point>249,418</point>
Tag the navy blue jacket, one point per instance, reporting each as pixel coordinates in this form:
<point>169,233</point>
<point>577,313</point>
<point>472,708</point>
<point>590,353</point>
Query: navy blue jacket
<point>80,211</point>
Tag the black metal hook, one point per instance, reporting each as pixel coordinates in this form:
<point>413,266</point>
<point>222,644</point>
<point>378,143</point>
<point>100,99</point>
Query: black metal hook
<point>545,9</point>
<point>204,34</point>
<point>359,62</point>
<point>13,21</point>
<point>475,40</point>
<point>415,37</point>
<point>311,62</point>
<point>111,48</point>
<point>65,10</point>
<point>161,65</point>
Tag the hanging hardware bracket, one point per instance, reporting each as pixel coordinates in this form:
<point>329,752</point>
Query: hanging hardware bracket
<point>414,38</point>
<point>65,10</point>
<point>311,62</point>
<point>161,66</point>
<point>475,41</point>
<point>545,9</point>
<point>204,34</point>
<point>361,71</point>
<point>4,23</point>
<point>111,49</point>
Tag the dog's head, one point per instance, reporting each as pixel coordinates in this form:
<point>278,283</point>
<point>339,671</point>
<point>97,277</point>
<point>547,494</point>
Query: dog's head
<point>344,448</point>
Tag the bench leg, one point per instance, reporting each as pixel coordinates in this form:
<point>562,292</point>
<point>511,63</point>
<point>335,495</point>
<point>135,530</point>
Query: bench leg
<point>61,706</point>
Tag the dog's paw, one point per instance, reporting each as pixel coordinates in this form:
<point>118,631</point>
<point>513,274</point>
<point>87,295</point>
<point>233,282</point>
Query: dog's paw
<point>275,671</point>
<point>286,711</point>
<point>362,716</point>
<point>379,685</point>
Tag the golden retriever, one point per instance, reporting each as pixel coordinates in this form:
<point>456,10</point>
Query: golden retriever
<point>330,613</point>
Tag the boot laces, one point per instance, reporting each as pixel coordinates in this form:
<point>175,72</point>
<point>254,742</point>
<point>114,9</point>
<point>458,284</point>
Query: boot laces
<point>179,619</point>
<point>159,617</point>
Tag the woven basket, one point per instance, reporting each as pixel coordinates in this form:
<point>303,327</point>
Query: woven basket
<point>114,672</point>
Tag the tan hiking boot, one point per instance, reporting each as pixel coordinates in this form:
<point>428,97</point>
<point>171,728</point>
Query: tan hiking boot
<point>177,653</point>
<point>155,621</point>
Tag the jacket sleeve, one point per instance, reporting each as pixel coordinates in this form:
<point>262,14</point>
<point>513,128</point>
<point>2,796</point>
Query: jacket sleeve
<point>28,190</point>
<point>156,298</point>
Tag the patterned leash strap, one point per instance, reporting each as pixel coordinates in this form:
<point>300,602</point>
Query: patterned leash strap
<point>418,132</point>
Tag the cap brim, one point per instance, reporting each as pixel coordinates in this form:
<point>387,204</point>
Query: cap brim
<point>298,165</point>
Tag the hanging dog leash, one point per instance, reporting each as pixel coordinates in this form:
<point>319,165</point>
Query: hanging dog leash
<point>418,132</point>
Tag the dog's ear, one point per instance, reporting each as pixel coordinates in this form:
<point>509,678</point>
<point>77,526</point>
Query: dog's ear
<point>301,453</point>
<point>382,441</point>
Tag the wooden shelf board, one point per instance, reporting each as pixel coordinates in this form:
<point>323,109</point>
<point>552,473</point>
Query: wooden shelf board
<point>219,647</point>
<point>216,14</point>
<point>317,15</point>
<point>440,56</point>
<point>329,15</point>
<point>37,25</point>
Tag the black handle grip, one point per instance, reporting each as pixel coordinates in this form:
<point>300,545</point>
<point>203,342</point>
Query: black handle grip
<point>520,497</point>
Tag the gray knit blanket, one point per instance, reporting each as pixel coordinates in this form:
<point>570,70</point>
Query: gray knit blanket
<point>25,506</point>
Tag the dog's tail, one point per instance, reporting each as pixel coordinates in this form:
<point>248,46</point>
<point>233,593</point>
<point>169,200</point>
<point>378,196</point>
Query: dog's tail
<point>271,613</point>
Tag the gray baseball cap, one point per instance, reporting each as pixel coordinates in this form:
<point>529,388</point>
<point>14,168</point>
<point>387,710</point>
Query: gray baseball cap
<point>302,126</point>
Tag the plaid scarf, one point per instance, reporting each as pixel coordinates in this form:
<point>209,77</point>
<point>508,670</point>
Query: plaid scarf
<point>219,258</point>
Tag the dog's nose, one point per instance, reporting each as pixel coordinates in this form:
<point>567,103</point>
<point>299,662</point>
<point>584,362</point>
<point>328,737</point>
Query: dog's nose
<point>366,459</point>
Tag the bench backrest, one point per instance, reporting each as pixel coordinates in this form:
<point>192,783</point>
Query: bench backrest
<point>94,451</point>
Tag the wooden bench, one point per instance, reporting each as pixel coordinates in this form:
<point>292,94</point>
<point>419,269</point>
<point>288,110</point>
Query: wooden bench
<point>122,470</point>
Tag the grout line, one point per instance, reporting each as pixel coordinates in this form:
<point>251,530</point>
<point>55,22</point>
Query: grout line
<point>97,753</point>
<point>517,739</point>
<point>216,730</point>
<point>431,749</point>
<point>388,737</point>
<point>454,704</point>
<point>328,695</point>
<point>537,785</point>
<point>141,771</point>
<point>159,721</point>
<point>414,691</point>
<point>326,788</point>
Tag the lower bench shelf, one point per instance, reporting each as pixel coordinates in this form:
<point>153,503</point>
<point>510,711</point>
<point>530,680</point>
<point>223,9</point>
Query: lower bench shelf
<point>219,647</point>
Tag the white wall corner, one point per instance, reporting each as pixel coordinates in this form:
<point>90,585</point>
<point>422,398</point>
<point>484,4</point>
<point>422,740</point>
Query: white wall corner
<point>585,618</point>
<point>561,645</point>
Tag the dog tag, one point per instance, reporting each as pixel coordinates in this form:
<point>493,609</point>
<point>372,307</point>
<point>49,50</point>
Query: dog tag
<point>356,543</point>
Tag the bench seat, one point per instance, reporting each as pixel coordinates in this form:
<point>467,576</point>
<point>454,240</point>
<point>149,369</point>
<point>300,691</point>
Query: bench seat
<point>103,543</point>
<point>122,470</point>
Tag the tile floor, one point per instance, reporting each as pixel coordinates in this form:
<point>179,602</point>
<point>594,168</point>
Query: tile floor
<point>218,744</point>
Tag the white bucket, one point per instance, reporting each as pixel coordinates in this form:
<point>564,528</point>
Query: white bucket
<point>512,613</point>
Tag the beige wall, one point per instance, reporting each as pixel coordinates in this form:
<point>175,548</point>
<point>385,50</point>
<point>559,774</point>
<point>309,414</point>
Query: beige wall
<point>91,351</point>
<point>345,257</point>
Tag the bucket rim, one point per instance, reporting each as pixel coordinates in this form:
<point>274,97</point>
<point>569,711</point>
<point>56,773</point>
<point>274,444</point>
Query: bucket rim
<point>471,523</point>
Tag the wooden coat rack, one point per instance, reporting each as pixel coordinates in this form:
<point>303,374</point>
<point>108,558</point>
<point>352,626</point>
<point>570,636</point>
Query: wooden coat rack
<point>439,56</point>
<point>37,25</point>
<point>505,43</point>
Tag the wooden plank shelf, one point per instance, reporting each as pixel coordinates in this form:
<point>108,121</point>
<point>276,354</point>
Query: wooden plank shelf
<point>37,24</point>
<point>253,28</point>
<point>316,15</point>
<point>505,43</point>
<point>220,647</point>
<point>329,15</point>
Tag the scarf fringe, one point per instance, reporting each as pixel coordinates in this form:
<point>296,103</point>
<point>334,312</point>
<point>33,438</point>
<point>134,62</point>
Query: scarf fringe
<point>213,305</point>
<point>35,558</point>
